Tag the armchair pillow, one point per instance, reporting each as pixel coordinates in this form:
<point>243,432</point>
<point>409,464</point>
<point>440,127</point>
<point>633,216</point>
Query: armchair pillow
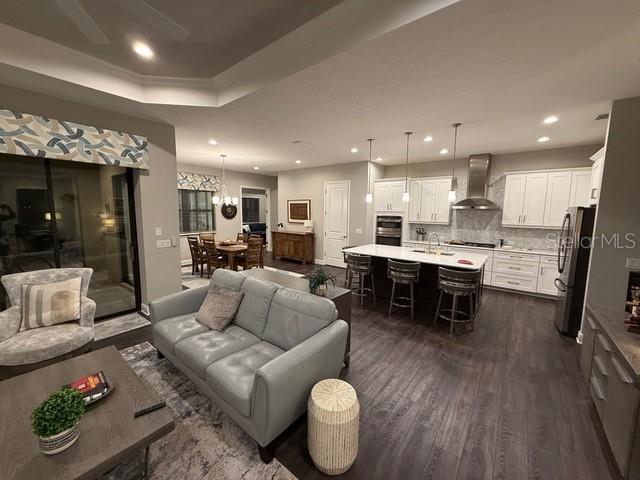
<point>50,303</point>
<point>219,307</point>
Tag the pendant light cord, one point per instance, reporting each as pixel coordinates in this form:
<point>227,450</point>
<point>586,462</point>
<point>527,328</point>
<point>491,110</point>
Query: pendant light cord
<point>370,140</point>
<point>406,165</point>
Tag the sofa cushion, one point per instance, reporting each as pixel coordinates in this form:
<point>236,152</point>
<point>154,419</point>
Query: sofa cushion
<point>253,311</point>
<point>39,344</point>
<point>227,279</point>
<point>13,282</point>
<point>232,377</point>
<point>201,350</point>
<point>294,316</point>
<point>170,331</point>
<point>219,307</point>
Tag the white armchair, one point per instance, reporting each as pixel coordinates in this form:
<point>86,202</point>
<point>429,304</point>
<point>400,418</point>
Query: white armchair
<point>22,351</point>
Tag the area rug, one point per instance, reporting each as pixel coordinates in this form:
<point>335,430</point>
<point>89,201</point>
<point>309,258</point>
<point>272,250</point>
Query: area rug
<point>205,444</point>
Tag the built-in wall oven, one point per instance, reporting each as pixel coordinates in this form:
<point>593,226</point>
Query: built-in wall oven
<point>389,230</point>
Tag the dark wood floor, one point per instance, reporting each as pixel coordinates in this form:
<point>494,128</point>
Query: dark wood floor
<point>507,401</point>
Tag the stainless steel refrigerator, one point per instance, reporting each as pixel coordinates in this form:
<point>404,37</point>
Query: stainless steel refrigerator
<point>574,248</point>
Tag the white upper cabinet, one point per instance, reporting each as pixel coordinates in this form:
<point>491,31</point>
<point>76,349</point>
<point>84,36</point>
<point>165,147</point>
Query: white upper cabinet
<point>513,199</point>
<point>535,194</point>
<point>558,194</point>
<point>442,208</point>
<point>596,176</point>
<point>580,188</point>
<point>387,196</point>
<point>540,199</point>
<point>429,200</point>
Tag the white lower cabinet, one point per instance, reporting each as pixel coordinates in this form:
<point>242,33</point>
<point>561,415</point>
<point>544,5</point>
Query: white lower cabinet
<point>514,282</point>
<point>547,275</point>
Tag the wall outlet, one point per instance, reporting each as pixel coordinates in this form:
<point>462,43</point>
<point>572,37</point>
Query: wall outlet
<point>359,231</point>
<point>158,231</point>
<point>633,263</point>
<point>165,243</point>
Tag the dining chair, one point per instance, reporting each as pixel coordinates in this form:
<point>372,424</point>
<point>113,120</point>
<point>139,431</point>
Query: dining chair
<point>242,237</point>
<point>254,256</point>
<point>213,258</point>
<point>206,236</point>
<point>197,255</point>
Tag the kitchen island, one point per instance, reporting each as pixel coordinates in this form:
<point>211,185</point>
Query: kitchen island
<point>426,291</point>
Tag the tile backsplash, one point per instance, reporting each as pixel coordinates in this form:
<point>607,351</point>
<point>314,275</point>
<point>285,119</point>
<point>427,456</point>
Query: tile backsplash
<point>486,225</point>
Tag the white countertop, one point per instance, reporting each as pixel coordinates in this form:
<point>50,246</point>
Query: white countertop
<point>497,249</point>
<point>407,253</point>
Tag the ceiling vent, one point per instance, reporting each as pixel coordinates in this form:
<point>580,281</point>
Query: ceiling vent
<point>302,142</point>
<point>602,116</point>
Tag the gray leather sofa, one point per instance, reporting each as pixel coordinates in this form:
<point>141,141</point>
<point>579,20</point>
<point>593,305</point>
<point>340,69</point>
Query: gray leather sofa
<point>261,369</point>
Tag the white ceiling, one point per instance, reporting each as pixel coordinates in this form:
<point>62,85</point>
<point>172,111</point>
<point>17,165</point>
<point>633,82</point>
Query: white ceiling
<point>497,66</point>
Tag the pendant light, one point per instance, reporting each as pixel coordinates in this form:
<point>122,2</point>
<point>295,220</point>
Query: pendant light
<point>369,196</point>
<point>224,196</point>
<point>454,182</point>
<point>405,195</point>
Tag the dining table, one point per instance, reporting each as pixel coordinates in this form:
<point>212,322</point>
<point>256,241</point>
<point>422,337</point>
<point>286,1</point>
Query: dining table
<point>232,250</point>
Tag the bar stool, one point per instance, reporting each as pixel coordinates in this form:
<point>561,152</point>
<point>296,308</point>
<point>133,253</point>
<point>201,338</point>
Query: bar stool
<point>404,273</point>
<point>347,274</point>
<point>458,283</point>
<point>361,265</point>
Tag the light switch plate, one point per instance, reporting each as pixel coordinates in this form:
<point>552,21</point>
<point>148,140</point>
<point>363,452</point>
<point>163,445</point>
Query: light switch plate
<point>174,242</point>
<point>633,263</point>
<point>158,231</point>
<point>165,243</point>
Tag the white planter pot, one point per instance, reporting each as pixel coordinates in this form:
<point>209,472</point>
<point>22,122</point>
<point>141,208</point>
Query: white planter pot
<point>59,442</point>
<point>322,290</point>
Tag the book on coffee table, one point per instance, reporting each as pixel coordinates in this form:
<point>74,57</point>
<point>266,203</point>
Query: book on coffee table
<point>92,387</point>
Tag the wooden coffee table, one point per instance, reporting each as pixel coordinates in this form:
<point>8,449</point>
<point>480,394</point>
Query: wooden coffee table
<point>109,434</point>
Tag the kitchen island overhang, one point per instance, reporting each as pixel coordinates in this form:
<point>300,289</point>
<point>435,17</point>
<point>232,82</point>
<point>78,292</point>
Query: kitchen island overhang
<point>426,290</point>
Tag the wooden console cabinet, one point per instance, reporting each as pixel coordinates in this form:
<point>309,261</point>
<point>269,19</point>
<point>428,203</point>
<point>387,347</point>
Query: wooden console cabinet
<point>294,245</point>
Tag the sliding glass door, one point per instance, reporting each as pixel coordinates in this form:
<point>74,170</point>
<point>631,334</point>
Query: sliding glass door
<point>71,215</point>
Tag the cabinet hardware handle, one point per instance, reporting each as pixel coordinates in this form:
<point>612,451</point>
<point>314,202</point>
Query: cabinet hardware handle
<point>514,268</point>
<point>513,283</point>
<point>519,217</point>
<point>593,193</point>
<point>596,387</point>
<point>524,219</point>
<point>623,375</point>
<point>598,362</point>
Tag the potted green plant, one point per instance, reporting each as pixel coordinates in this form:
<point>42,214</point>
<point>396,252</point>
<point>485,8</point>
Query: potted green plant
<point>318,279</point>
<point>55,420</point>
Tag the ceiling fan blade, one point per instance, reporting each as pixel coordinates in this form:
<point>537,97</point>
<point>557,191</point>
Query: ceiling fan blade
<point>79,16</point>
<point>155,18</point>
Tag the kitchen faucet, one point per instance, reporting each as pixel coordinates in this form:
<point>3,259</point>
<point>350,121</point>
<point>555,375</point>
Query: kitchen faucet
<point>428,249</point>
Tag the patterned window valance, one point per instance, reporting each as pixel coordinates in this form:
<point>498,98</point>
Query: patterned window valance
<point>34,136</point>
<point>198,181</point>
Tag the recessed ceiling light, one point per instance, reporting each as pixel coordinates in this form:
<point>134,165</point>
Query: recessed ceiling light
<point>143,50</point>
<point>550,119</point>
<point>256,168</point>
<point>379,159</point>
<point>298,162</point>
<point>428,138</point>
<point>444,151</point>
<point>543,139</point>
<point>354,150</point>
<point>212,142</point>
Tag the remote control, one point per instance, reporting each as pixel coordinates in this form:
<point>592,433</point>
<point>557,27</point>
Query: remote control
<point>149,409</point>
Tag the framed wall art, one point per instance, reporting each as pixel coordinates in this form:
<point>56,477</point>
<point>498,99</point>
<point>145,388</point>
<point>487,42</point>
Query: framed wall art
<point>299,210</point>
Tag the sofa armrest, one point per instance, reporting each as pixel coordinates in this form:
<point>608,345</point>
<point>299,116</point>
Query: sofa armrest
<point>87,312</point>
<point>282,386</point>
<point>10,322</point>
<point>175,304</point>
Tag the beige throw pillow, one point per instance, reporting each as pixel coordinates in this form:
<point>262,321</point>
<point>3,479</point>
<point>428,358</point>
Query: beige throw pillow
<point>219,307</point>
<point>50,303</point>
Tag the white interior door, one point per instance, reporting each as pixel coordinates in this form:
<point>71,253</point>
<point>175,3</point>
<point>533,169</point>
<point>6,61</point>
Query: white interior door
<point>336,221</point>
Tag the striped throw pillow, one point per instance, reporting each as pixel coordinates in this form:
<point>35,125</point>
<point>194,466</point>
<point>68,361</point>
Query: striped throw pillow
<point>50,303</point>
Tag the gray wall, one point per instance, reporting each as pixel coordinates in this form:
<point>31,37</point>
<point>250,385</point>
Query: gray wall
<point>154,207</point>
<point>617,211</point>
<point>507,162</point>
<point>308,183</point>
<point>486,226</point>
<point>228,229</point>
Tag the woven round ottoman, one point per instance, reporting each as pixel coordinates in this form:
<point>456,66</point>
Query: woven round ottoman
<point>332,426</point>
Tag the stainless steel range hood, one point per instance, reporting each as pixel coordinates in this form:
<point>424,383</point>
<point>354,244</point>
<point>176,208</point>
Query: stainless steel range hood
<point>477,185</point>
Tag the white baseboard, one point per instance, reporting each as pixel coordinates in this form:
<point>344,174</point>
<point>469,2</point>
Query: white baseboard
<point>319,261</point>
<point>144,308</point>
